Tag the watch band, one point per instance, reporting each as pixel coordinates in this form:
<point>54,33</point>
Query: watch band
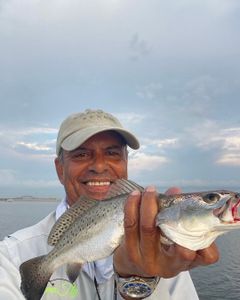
<point>136,287</point>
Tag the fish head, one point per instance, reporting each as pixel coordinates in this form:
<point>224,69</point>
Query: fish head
<point>195,220</point>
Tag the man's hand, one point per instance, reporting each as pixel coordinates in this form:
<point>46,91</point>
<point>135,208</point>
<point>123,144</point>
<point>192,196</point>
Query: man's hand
<point>141,252</point>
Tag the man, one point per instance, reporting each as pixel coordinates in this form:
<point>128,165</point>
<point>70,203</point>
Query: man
<point>91,155</point>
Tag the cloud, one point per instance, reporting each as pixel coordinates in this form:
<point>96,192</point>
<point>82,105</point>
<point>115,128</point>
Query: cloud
<point>29,143</point>
<point>150,91</point>
<point>231,139</point>
<point>161,143</point>
<point>230,152</point>
<point>138,47</point>
<point>178,93</point>
<point>200,183</point>
<point>203,98</point>
<point>213,7</point>
<point>130,119</point>
<point>140,162</point>
<point>33,146</point>
<point>228,143</point>
<point>199,93</point>
<point>229,159</point>
<point>34,151</point>
<point>225,142</point>
<point>10,178</point>
<point>221,8</point>
<point>203,135</point>
<point>26,131</point>
<point>7,177</point>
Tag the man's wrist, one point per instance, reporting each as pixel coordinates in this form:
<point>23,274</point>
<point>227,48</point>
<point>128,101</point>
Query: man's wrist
<point>135,287</point>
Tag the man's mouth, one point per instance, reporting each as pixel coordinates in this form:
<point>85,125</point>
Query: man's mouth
<point>97,189</point>
<point>98,183</point>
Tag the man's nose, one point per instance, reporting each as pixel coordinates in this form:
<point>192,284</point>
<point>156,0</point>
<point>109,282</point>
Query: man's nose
<point>99,164</point>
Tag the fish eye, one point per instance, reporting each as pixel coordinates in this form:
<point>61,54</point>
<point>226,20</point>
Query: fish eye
<point>211,198</point>
<point>237,195</point>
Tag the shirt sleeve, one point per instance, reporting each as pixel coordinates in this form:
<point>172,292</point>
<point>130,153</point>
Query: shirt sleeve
<point>181,287</point>
<point>9,277</point>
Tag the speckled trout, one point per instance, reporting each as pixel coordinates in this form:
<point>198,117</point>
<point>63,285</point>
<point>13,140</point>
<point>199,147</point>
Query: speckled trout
<point>92,229</point>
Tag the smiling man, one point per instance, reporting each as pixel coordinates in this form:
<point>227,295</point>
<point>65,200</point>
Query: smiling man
<point>91,155</point>
<point>90,169</point>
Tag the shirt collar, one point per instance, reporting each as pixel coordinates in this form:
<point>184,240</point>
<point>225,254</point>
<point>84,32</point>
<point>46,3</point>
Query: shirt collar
<point>61,208</point>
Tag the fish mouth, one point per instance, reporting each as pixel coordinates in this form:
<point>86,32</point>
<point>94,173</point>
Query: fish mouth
<point>236,211</point>
<point>230,211</point>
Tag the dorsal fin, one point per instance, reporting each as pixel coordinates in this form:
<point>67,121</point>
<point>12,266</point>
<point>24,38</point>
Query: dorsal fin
<point>122,186</point>
<point>66,219</point>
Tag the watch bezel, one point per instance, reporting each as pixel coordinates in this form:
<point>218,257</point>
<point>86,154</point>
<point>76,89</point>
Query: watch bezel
<point>137,287</point>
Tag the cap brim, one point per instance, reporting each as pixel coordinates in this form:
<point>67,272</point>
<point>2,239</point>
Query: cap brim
<point>79,137</point>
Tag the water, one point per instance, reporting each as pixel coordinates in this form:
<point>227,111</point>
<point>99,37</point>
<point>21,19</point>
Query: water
<point>17,215</point>
<point>221,281</point>
<point>217,282</point>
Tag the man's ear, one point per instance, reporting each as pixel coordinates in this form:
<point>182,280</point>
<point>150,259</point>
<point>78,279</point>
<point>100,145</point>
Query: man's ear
<point>59,169</point>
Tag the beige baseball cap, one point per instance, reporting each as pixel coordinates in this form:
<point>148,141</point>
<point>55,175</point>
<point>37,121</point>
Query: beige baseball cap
<point>79,127</point>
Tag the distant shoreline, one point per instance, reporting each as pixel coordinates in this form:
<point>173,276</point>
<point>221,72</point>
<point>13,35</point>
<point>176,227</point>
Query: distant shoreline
<point>29,199</point>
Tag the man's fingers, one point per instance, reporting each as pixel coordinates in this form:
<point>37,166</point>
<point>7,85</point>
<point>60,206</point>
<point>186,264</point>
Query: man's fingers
<point>206,256</point>
<point>173,191</point>
<point>131,224</point>
<point>148,212</point>
<point>149,233</point>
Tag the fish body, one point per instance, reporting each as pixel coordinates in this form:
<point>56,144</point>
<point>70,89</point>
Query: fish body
<point>103,225</point>
<point>91,230</point>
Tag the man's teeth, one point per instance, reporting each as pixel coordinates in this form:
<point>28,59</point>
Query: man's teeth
<point>98,183</point>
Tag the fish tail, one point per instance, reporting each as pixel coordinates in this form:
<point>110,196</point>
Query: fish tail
<point>35,275</point>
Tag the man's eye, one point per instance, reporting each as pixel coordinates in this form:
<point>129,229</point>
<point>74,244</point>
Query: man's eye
<point>113,153</point>
<point>81,155</point>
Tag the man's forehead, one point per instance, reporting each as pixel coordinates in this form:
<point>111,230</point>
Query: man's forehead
<point>108,138</point>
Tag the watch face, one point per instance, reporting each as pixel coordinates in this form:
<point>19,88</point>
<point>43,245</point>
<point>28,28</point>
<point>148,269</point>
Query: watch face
<point>136,289</point>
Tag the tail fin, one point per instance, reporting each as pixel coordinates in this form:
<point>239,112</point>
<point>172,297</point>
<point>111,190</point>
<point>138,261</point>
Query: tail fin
<point>35,275</point>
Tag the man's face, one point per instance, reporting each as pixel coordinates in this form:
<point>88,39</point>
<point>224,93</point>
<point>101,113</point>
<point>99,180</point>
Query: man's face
<point>90,169</point>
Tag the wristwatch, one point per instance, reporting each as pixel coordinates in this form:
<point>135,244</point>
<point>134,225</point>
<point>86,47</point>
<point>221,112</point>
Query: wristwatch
<point>136,287</point>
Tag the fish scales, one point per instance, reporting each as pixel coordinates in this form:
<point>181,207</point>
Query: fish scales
<point>192,220</point>
<point>93,228</point>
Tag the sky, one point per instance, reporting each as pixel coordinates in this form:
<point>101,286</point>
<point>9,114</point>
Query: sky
<point>169,70</point>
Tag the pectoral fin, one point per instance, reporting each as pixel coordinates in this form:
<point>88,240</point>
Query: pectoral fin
<point>73,271</point>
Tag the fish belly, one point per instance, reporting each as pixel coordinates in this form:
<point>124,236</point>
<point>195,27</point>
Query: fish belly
<point>99,242</point>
